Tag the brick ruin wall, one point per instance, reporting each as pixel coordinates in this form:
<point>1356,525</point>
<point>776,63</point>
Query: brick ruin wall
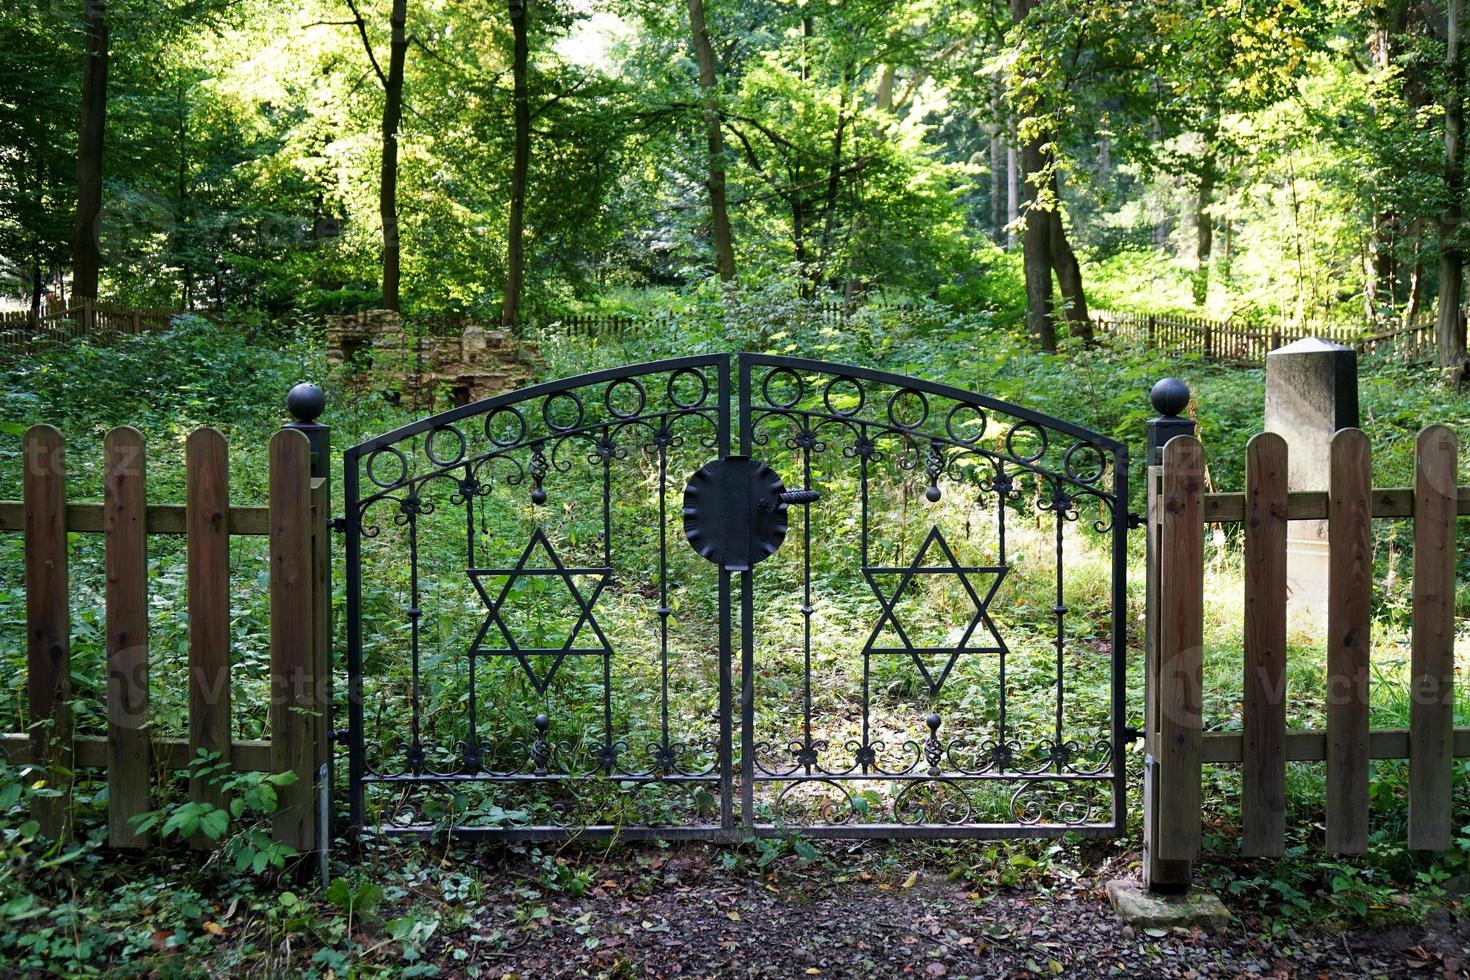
<point>429,372</point>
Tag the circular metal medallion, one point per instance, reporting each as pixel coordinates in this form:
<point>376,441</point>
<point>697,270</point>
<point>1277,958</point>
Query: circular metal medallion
<point>733,512</point>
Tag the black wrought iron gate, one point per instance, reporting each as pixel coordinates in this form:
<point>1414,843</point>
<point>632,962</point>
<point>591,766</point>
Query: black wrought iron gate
<point>936,650</point>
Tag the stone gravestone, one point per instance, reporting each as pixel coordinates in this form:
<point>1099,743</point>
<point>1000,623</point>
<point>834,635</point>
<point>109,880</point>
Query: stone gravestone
<point>1311,392</point>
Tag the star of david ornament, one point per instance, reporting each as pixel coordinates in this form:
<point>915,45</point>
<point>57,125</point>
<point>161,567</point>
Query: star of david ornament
<point>979,635</point>
<point>497,638</point>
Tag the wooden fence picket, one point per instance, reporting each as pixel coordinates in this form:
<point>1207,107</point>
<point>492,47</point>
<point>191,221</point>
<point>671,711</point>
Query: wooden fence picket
<point>1263,796</point>
<point>207,492</point>
<point>1349,621</point>
<point>125,535</point>
<point>294,688</point>
<point>1180,650</point>
<point>48,627</point>
<point>1432,701</point>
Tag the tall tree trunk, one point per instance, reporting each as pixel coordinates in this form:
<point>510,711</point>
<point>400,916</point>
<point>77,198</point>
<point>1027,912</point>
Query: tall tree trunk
<point>1204,229</point>
<point>1036,250</point>
<point>715,140</point>
<point>1449,328</point>
<point>884,95</point>
<point>1416,275</point>
<point>1069,272</point>
<point>388,177</point>
<point>1036,237</point>
<point>834,181</point>
<point>181,210</point>
<point>515,259</point>
<point>1389,21</point>
<point>1013,193</point>
<point>38,290</point>
<point>37,243</point>
<point>997,188</point>
<point>997,165</point>
<point>86,257</point>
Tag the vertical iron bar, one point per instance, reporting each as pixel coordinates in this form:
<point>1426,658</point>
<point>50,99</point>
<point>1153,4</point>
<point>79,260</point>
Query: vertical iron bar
<point>747,700</point>
<point>414,615</point>
<point>663,590</point>
<point>806,608</point>
<point>355,761</point>
<point>1000,518</point>
<point>1060,610</point>
<point>747,633</point>
<point>472,744</point>
<point>863,549</point>
<point>607,718</point>
<point>1120,632</point>
<point>727,748</point>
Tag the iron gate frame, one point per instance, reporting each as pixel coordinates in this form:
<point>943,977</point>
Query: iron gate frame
<point>733,409</point>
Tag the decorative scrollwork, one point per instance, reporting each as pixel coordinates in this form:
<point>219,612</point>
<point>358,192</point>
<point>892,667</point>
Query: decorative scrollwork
<point>825,801</point>
<point>932,801</point>
<point>1071,803</point>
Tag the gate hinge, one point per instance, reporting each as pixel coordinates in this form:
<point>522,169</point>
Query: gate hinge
<point>1136,520</point>
<point>338,524</point>
<point>1131,734</point>
<point>339,736</point>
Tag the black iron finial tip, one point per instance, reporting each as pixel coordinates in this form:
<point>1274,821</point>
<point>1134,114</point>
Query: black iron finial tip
<point>542,722</point>
<point>1170,397</point>
<point>306,402</point>
<point>933,722</point>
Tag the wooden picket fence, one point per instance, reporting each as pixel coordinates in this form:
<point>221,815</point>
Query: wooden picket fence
<point>1238,342</point>
<point>1179,513</point>
<point>87,319</point>
<point>618,325</point>
<point>295,522</point>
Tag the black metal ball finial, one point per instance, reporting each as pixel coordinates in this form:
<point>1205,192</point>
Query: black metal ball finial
<point>306,402</point>
<point>933,722</point>
<point>1170,397</point>
<point>542,723</point>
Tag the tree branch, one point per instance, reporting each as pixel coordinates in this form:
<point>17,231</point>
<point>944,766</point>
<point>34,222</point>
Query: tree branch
<point>366,44</point>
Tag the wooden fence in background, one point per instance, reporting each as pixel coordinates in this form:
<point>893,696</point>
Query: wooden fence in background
<point>97,323</point>
<point>1238,342</point>
<point>1229,341</point>
<point>616,325</point>
<point>295,522</point>
<point>1179,512</point>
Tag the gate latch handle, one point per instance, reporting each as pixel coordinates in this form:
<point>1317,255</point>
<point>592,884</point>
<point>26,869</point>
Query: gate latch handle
<point>801,496</point>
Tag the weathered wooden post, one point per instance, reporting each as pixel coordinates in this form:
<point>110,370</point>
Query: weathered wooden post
<point>306,402</point>
<point>1173,631</point>
<point>48,628</point>
<point>1170,397</point>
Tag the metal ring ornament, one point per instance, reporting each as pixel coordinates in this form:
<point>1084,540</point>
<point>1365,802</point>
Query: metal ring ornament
<point>893,401</point>
<point>830,386</point>
<point>689,373</point>
<point>609,398</point>
<point>552,399</point>
<point>1020,427</point>
<point>949,424</point>
<point>372,464</point>
<point>513,412</point>
<point>1072,466</point>
<point>782,372</point>
<point>442,461</point>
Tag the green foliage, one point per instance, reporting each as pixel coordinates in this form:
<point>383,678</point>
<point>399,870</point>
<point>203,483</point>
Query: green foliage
<point>239,830</point>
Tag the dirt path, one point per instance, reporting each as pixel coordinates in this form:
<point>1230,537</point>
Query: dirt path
<point>678,912</point>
